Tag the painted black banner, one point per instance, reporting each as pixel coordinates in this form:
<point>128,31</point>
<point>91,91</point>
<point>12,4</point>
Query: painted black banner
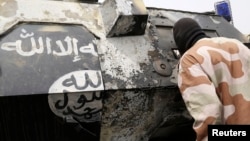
<point>220,132</point>
<point>35,57</point>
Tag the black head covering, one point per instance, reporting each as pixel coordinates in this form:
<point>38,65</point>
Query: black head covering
<point>186,33</point>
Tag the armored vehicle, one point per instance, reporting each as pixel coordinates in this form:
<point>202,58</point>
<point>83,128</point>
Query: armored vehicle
<point>96,71</point>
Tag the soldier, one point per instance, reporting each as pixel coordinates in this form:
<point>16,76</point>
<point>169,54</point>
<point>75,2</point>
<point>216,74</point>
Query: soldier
<point>213,77</point>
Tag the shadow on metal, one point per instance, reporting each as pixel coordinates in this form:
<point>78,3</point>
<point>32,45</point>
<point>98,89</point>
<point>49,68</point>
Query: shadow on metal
<point>29,118</point>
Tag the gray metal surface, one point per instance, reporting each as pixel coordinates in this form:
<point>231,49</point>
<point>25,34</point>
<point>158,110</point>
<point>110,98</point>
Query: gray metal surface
<point>128,84</point>
<point>13,12</point>
<point>126,62</point>
<point>124,17</point>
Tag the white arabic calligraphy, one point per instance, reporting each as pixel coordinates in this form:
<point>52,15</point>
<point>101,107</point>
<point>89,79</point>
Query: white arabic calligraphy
<point>78,81</point>
<point>26,35</point>
<point>60,50</point>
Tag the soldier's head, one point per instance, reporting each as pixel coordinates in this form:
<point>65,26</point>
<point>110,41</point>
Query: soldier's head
<point>187,32</point>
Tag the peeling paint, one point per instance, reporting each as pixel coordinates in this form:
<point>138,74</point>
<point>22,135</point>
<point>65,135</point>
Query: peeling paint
<point>52,11</point>
<point>123,56</point>
<point>137,100</point>
<point>128,119</point>
<point>135,115</point>
<point>124,18</point>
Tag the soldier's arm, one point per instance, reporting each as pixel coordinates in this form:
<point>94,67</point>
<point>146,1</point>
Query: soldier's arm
<point>199,95</point>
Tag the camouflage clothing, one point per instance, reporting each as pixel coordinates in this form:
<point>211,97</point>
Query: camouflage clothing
<point>214,79</point>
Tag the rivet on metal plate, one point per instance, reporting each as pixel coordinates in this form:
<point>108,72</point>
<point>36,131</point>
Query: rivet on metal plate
<point>162,67</point>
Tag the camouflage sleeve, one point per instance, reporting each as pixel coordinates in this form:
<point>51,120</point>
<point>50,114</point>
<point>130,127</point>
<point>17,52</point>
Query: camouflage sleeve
<point>199,95</point>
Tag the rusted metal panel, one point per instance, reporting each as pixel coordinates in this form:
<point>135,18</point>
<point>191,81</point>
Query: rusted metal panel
<point>136,115</point>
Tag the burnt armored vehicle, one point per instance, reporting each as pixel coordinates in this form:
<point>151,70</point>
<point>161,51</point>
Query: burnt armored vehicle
<point>93,71</point>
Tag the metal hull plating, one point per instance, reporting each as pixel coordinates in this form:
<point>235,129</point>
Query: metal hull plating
<point>93,73</point>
